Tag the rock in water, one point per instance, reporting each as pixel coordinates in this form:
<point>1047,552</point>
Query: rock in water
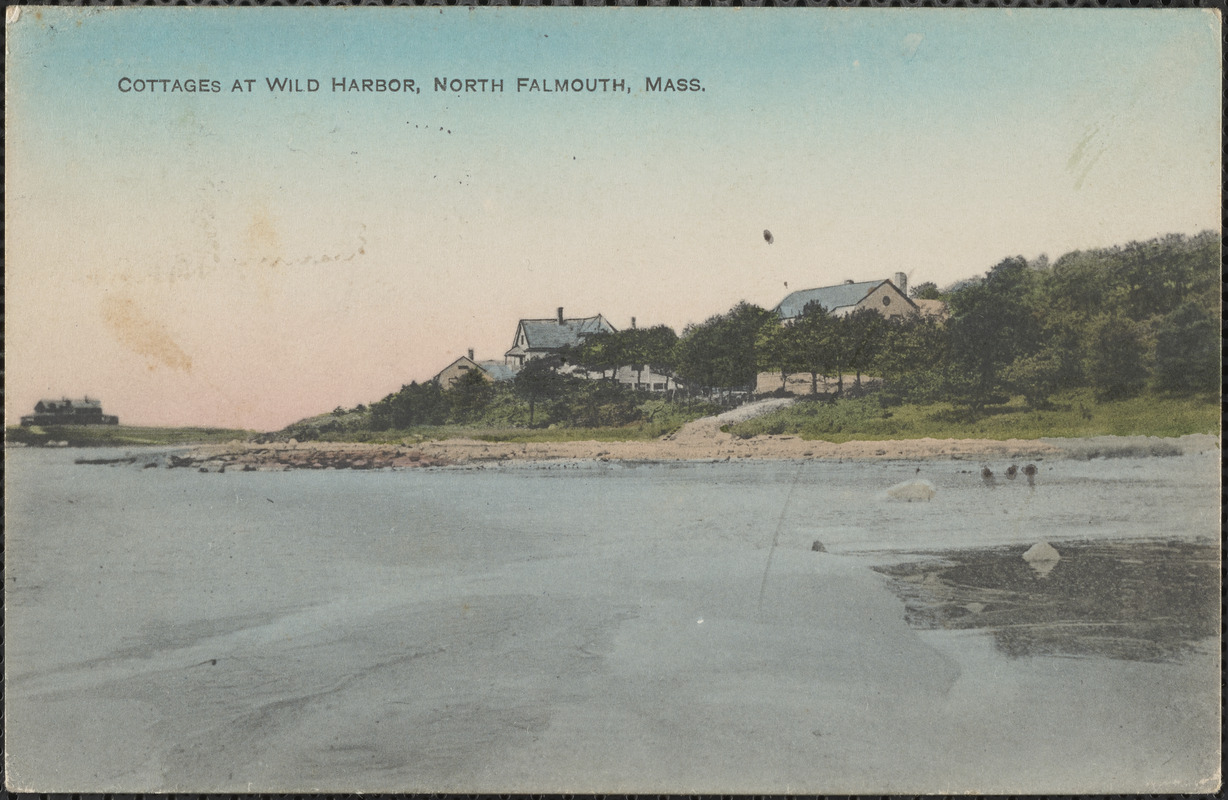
<point>1042,557</point>
<point>1042,551</point>
<point>818,547</point>
<point>909,491</point>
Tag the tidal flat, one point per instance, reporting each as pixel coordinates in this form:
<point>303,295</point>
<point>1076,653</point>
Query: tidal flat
<point>591,626</point>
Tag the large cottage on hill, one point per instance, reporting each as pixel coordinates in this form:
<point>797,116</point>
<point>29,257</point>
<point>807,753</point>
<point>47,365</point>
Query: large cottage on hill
<point>886,297</point>
<point>541,337</point>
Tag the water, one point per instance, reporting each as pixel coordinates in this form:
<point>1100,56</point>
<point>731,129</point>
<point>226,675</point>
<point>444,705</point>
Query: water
<point>579,627</point>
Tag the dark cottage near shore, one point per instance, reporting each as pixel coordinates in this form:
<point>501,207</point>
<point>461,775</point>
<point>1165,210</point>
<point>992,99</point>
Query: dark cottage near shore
<point>69,412</point>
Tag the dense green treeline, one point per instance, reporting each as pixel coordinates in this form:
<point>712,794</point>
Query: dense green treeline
<point>1119,321</point>
<point>1100,325</point>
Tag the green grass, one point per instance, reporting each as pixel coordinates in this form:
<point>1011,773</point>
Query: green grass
<point>507,420</point>
<point>121,435</point>
<point>1073,414</point>
<point>639,431</point>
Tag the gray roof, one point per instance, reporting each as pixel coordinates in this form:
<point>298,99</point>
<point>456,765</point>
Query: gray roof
<point>548,334</point>
<point>830,297</point>
<point>71,403</point>
<point>497,370</point>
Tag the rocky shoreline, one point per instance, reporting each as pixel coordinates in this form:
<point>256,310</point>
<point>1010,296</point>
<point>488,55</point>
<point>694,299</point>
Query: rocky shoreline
<point>251,457</point>
<point>693,444</point>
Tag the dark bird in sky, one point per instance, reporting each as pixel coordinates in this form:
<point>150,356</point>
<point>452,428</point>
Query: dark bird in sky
<point>767,236</point>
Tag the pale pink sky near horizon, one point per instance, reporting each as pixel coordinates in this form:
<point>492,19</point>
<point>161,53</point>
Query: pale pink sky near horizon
<point>248,260</point>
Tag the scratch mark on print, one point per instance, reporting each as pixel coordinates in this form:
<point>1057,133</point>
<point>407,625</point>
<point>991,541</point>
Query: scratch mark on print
<point>359,249</point>
<point>1087,151</point>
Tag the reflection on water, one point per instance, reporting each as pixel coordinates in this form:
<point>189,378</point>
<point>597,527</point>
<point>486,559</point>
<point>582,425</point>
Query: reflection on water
<point>1132,600</point>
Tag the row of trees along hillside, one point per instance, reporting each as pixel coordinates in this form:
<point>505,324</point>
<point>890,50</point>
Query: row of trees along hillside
<point>1119,320</point>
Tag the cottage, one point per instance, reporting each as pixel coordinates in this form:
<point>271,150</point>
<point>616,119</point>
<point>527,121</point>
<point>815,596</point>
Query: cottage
<point>540,337</point>
<point>642,376</point>
<point>884,296</point>
<point>495,371</point>
<point>68,412</point>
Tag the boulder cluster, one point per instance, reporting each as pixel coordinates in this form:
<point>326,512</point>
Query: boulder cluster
<point>252,459</point>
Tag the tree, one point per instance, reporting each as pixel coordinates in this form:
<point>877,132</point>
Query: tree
<point>381,414</point>
<point>599,352</point>
<point>469,396</point>
<point>811,342</point>
<point>1116,357</point>
<point>720,352</point>
<point>1036,376</point>
<point>537,380</point>
<point>773,352</point>
<point>910,359</point>
<point>862,333</point>
<point>926,290</point>
<point>992,323</point>
<point>1188,344</point>
<point>655,347</point>
<point>415,404</point>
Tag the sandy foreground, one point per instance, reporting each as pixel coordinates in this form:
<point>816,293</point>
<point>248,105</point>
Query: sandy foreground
<point>615,627</point>
<point>700,440</point>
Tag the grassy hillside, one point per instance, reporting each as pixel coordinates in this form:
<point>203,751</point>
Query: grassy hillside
<point>1072,414</point>
<point>504,417</point>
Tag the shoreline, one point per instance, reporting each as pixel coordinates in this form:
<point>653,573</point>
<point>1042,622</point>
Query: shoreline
<point>698,443</point>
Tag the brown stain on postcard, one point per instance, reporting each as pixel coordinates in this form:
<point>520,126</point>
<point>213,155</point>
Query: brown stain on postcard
<point>263,239</point>
<point>142,334</point>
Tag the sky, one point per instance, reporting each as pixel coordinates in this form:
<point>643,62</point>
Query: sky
<point>247,258</point>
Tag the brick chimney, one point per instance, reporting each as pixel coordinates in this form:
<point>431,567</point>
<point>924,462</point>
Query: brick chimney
<point>901,283</point>
<point>470,353</point>
<point>633,323</point>
<point>560,315</point>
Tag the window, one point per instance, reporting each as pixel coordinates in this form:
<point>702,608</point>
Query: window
<point>886,300</point>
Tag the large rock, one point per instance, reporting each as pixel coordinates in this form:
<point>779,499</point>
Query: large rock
<point>1042,557</point>
<point>919,490</point>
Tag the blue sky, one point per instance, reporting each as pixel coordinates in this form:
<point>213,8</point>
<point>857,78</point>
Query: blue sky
<point>933,142</point>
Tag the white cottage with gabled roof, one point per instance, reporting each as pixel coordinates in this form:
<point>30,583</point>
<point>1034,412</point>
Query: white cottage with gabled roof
<point>540,337</point>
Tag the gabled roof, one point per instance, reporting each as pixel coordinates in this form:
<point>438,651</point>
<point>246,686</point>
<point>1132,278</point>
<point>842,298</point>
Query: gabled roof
<point>65,403</point>
<point>461,360</point>
<point>548,334</point>
<point>497,370</point>
<point>830,297</point>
